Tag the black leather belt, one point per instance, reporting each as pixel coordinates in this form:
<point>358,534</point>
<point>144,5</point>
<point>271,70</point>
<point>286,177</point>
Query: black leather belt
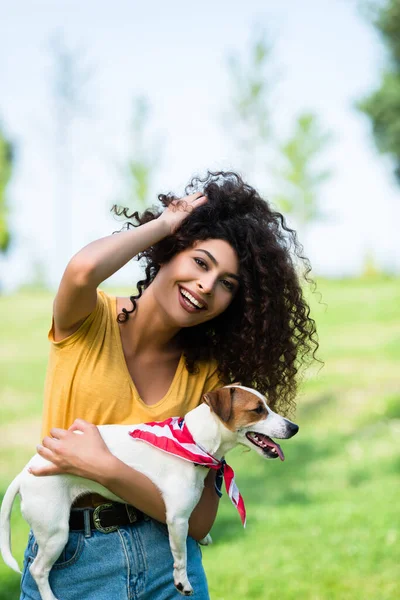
<point>105,518</point>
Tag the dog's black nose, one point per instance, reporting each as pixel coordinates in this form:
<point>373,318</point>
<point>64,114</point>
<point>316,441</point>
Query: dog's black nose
<point>293,428</point>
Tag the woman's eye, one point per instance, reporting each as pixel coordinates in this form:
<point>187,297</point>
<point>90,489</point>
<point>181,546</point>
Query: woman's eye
<point>227,284</point>
<point>200,262</point>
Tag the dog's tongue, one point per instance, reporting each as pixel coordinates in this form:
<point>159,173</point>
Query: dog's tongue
<point>277,448</point>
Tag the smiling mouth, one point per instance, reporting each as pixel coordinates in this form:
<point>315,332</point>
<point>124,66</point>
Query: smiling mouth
<point>267,445</point>
<point>190,300</point>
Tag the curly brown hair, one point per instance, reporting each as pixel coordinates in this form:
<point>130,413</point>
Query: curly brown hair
<point>266,334</point>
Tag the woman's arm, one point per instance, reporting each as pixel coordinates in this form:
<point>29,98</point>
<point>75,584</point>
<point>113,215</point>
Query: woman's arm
<point>136,489</point>
<point>87,455</point>
<point>76,296</point>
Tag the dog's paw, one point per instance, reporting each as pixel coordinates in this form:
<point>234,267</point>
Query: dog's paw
<point>185,590</point>
<point>206,541</point>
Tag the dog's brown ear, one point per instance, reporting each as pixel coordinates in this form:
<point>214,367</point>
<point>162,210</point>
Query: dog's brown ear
<point>220,402</point>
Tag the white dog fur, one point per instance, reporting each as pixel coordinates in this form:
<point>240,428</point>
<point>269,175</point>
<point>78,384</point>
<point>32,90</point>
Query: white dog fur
<point>218,425</point>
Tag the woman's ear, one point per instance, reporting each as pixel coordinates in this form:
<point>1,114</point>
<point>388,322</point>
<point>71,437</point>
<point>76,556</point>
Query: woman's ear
<point>220,402</point>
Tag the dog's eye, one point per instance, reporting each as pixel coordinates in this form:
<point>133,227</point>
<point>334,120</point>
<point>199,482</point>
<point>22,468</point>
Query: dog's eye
<point>259,409</point>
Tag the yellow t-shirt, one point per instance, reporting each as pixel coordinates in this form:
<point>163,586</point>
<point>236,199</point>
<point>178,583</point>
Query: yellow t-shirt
<point>87,378</point>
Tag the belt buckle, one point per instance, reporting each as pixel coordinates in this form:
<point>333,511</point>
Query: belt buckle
<point>132,514</point>
<point>97,522</point>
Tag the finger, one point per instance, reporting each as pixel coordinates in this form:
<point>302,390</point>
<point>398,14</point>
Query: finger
<point>50,443</point>
<point>197,199</point>
<point>80,425</point>
<point>190,199</point>
<point>193,197</point>
<point>42,471</point>
<point>201,199</point>
<point>45,453</point>
<point>197,195</point>
<point>191,202</point>
<point>58,433</point>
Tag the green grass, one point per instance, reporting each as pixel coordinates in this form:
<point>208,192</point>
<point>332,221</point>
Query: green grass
<point>322,525</point>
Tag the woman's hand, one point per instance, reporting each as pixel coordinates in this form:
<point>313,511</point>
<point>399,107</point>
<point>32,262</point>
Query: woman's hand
<point>84,453</point>
<point>179,209</point>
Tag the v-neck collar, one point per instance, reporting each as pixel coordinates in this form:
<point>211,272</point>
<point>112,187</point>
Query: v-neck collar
<point>125,366</point>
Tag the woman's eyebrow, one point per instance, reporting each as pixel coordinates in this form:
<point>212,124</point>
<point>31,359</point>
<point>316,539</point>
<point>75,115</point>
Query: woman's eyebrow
<point>214,260</point>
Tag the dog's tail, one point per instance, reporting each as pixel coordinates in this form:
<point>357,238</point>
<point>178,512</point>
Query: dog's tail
<point>5,530</point>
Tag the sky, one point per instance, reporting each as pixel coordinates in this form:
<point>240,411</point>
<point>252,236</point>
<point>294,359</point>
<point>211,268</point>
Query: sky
<point>327,54</point>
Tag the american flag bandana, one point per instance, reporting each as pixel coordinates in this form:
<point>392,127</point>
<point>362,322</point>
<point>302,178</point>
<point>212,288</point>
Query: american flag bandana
<point>173,436</point>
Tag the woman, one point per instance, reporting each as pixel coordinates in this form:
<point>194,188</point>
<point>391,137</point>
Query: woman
<point>221,301</point>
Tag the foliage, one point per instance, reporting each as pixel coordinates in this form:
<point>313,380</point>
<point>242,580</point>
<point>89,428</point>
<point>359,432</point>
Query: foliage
<point>70,76</point>
<point>69,81</point>
<point>252,81</point>
<point>370,267</point>
<point>382,106</point>
<point>298,177</point>
<point>145,157</point>
<point>323,524</point>
<point>6,164</point>
<point>289,165</point>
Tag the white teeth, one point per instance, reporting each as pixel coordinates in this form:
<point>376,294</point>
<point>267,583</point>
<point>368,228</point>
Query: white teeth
<point>261,443</point>
<point>191,298</point>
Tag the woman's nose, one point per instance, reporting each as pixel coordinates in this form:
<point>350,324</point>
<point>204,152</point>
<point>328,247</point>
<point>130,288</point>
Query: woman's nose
<point>205,286</point>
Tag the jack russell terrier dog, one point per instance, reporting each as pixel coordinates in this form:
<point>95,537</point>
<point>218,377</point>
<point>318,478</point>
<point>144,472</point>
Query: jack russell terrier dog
<point>229,416</point>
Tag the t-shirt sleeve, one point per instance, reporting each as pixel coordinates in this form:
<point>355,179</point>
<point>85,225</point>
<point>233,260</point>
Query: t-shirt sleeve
<point>92,322</point>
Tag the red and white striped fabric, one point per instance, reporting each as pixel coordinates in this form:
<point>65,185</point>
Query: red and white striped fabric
<point>173,436</point>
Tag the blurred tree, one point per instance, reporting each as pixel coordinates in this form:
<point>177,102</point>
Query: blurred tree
<point>297,175</point>
<point>370,268</point>
<point>252,82</point>
<point>6,164</point>
<point>145,157</point>
<point>383,105</point>
<point>70,76</point>
<point>289,166</point>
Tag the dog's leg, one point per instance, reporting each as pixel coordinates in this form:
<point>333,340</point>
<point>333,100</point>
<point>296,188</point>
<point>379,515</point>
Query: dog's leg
<point>206,541</point>
<point>49,522</point>
<point>178,510</point>
<point>178,530</point>
<point>49,549</point>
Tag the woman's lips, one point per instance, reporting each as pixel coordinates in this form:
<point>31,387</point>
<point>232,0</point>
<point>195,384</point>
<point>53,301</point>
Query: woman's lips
<point>196,297</point>
<point>186,304</point>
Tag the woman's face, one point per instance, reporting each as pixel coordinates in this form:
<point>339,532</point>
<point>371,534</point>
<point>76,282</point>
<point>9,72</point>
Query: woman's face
<point>199,283</point>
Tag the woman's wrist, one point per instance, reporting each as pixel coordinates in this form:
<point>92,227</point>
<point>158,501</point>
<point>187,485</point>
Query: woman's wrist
<point>162,226</point>
<point>164,223</point>
<point>105,472</point>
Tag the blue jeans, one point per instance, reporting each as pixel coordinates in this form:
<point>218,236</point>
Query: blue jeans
<point>132,563</point>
